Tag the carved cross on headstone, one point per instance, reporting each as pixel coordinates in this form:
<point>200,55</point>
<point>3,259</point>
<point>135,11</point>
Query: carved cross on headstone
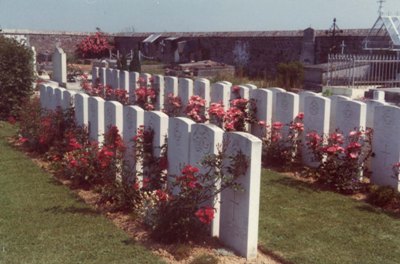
<point>386,154</point>
<point>234,204</point>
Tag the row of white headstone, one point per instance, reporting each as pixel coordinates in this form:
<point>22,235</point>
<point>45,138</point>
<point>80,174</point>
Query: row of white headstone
<point>236,218</point>
<point>322,115</point>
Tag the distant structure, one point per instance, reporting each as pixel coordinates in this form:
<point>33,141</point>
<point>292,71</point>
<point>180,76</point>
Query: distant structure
<point>379,67</point>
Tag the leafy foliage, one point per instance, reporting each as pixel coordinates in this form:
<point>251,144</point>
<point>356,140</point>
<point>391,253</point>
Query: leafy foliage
<point>16,76</point>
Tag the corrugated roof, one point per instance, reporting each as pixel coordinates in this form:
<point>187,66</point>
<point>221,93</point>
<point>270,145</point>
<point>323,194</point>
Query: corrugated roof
<point>151,38</point>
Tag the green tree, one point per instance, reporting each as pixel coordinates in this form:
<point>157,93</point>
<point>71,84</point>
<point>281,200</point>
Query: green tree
<point>16,76</point>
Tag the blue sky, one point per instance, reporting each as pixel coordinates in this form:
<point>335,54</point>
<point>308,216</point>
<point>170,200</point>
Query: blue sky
<point>189,15</point>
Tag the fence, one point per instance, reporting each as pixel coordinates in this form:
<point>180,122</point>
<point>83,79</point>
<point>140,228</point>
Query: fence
<point>363,70</point>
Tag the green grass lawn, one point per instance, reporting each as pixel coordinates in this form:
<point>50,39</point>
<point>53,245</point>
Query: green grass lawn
<point>43,222</point>
<point>304,225</point>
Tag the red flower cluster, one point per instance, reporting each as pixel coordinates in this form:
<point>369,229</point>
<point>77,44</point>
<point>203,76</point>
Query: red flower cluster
<point>188,178</point>
<point>145,95</point>
<point>162,196</point>
<point>313,140</point>
<point>196,109</point>
<point>94,46</point>
<point>216,113</point>
<point>277,125</point>
<point>106,92</point>
<point>300,116</point>
<point>205,214</point>
<point>173,105</point>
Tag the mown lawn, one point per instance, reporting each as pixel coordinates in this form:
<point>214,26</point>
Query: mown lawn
<point>43,222</point>
<point>306,225</point>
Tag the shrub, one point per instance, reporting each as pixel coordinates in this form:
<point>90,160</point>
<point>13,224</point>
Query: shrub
<point>45,130</point>
<point>283,151</point>
<point>184,211</point>
<point>94,46</point>
<point>342,160</point>
<point>16,76</point>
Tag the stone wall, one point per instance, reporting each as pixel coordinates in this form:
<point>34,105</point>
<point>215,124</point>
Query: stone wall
<point>256,52</point>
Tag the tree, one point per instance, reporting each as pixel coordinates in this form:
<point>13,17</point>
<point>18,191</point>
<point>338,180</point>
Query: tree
<point>16,76</point>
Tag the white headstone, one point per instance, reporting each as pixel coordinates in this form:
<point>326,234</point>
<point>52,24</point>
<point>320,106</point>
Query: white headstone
<point>58,95</point>
<point>116,81</point>
<point>350,115</point>
<point>95,75</point>
<point>68,99</point>
<point>102,76</point>
<point>204,141</point>
<point>109,77</point>
<point>371,105</point>
<point>158,84</point>
<point>96,119</point>
<point>179,129</point>
<point>221,93</point>
<point>133,120</point>
<point>386,146</point>
<point>263,101</point>
<point>274,91</point>
<point>171,86</point>
<point>240,210</point>
<point>113,115</point>
<point>59,61</point>
<point>133,85</point>
<point>335,99</point>
<point>185,91</point>
<point>316,119</point>
<point>302,97</point>
<point>202,89</point>
<point>50,98</point>
<point>158,122</point>
<point>43,96</point>
<point>287,108</point>
<point>251,86</point>
<point>124,80</point>
<point>82,109</point>
<point>242,92</point>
